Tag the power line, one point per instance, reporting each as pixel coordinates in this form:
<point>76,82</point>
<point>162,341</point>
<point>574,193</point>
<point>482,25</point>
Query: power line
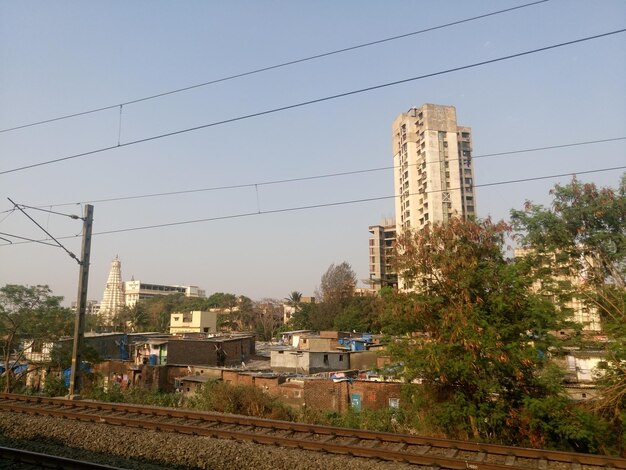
<point>271,67</point>
<point>31,240</point>
<point>551,147</point>
<point>71,216</point>
<point>314,177</point>
<point>329,204</point>
<point>314,101</point>
<point>71,255</point>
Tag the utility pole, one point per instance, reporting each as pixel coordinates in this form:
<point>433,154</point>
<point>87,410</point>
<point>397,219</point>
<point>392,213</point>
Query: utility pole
<point>83,280</point>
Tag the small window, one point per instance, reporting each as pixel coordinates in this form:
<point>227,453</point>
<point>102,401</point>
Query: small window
<point>340,357</point>
<point>326,359</point>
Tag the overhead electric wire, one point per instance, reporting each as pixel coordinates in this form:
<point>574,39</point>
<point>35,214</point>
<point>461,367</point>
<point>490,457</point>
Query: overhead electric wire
<point>314,101</point>
<point>314,177</point>
<point>60,245</point>
<point>273,67</point>
<point>28,240</point>
<point>323,205</point>
<point>71,216</point>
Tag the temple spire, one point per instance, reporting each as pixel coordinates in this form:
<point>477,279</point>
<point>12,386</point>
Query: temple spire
<point>113,298</point>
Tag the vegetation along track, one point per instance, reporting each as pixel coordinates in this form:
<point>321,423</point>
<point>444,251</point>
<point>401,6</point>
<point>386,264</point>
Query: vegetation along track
<point>442,453</point>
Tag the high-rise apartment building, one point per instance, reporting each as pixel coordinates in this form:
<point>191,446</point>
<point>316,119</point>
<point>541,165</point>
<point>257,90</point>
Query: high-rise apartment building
<point>433,171</point>
<point>381,246</point>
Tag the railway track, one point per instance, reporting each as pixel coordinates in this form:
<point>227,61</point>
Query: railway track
<point>441,453</point>
<point>23,459</point>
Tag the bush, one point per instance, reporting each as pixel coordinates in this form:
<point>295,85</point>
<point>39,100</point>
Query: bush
<point>55,387</point>
<point>239,399</point>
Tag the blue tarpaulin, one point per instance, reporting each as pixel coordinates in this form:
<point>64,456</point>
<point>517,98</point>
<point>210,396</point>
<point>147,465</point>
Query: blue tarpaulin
<point>84,368</point>
<point>15,367</point>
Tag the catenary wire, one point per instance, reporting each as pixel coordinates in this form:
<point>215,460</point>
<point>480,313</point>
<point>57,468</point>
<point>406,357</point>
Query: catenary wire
<point>271,67</point>
<point>28,240</point>
<point>71,216</point>
<point>314,177</point>
<point>60,245</point>
<point>314,101</point>
<point>329,204</point>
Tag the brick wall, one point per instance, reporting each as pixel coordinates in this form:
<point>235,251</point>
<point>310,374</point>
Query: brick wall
<point>326,395</point>
<point>375,395</point>
<point>204,352</point>
<point>290,393</point>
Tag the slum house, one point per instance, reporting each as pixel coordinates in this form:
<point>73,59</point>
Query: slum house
<point>106,345</point>
<point>39,354</point>
<point>321,393</point>
<point>292,338</point>
<point>308,362</point>
<point>216,351</point>
<point>160,362</point>
<point>324,341</point>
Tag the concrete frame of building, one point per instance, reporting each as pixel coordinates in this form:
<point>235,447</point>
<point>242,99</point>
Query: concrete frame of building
<point>381,248</point>
<point>433,170</point>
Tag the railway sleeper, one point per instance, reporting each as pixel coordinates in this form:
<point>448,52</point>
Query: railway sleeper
<point>422,450</point>
<point>451,453</point>
<point>370,443</point>
<point>399,447</point>
<point>480,457</point>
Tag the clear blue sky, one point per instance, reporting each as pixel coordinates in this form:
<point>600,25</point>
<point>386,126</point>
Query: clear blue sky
<point>69,56</point>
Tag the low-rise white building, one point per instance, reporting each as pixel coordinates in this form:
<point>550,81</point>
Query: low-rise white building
<point>137,290</point>
<point>193,322</point>
<point>308,362</point>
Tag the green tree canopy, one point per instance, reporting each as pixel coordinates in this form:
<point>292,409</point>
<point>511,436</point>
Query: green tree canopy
<point>27,314</point>
<point>481,335</point>
<point>582,235</point>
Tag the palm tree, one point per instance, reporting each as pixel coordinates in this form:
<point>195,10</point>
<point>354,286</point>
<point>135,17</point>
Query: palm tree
<point>294,299</point>
<point>136,318</point>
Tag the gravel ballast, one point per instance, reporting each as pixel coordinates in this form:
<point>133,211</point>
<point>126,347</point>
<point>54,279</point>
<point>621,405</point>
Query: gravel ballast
<point>144,449</point>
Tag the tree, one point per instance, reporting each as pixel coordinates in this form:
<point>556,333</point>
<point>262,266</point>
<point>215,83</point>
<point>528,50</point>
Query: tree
<point>362,315</point>
<point>481,331</point>
<point>132,319</point>
<point>294,300</point>
<point>337,283</point>
<point>269,318</point>
<point>582,236</point>
<point>301,320</point>
<point>28,315</point>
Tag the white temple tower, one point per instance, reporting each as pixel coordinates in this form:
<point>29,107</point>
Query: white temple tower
<point>113,298</point>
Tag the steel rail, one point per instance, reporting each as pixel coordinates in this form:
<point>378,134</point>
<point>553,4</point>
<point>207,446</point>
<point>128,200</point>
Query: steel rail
<point>283,441</point>
<point>403,440</point>
<point>21,456</point>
